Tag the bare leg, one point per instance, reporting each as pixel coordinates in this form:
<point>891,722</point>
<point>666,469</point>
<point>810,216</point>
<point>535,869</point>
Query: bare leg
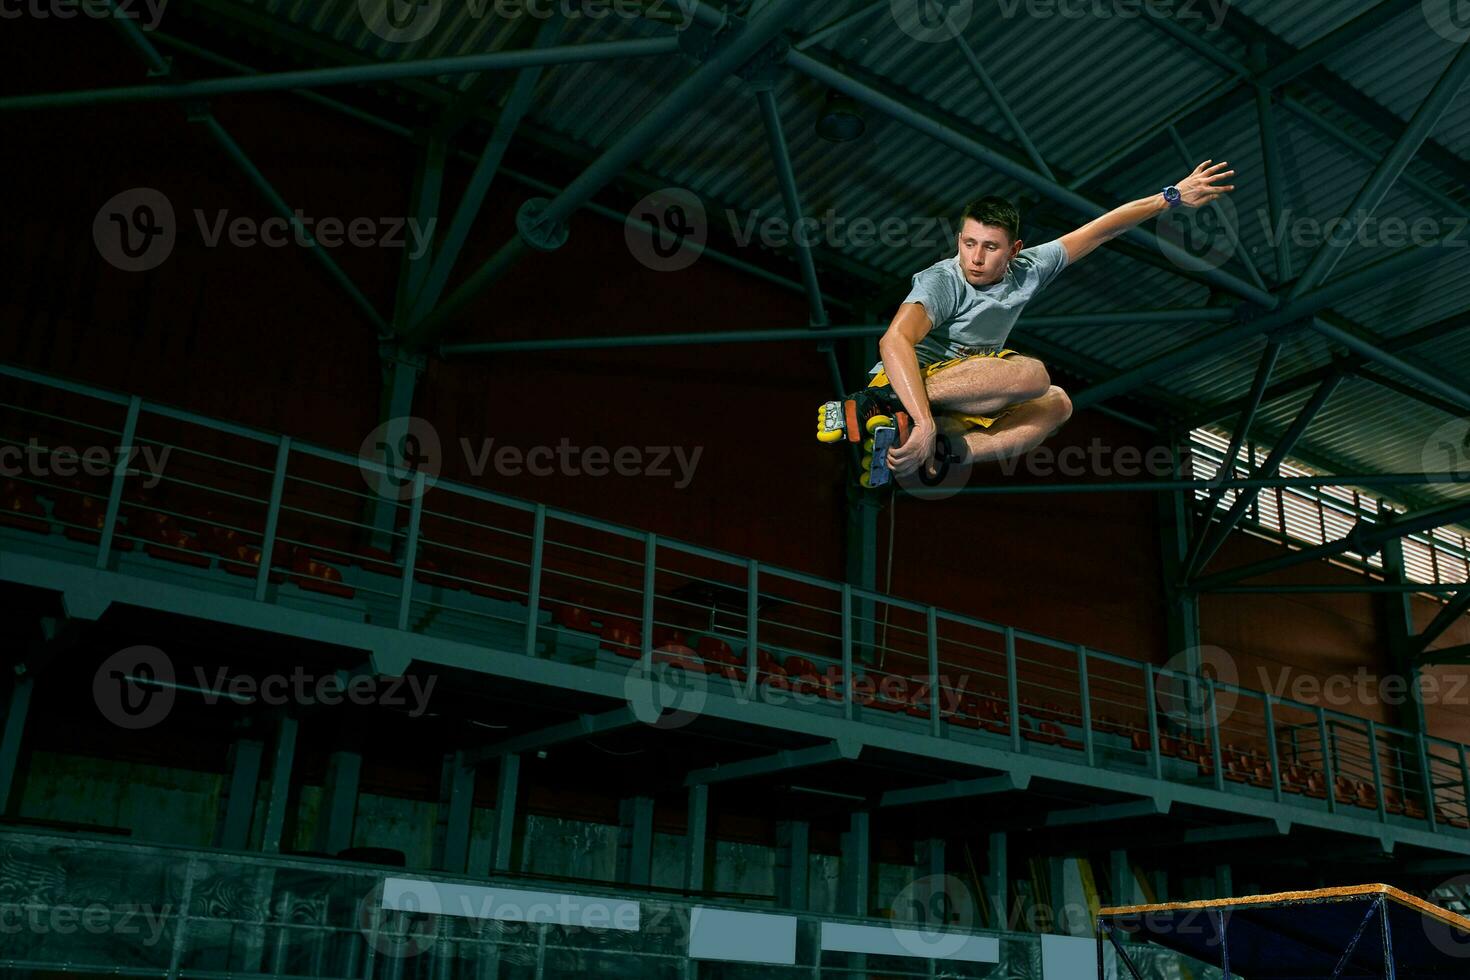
<point>1022,429</point>
<point>986,385</point>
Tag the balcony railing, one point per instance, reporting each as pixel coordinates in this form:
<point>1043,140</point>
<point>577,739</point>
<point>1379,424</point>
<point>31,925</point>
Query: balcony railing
<point>273,520</point>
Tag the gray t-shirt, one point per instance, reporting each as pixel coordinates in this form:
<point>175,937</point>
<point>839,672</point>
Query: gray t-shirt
<point>977,319</point>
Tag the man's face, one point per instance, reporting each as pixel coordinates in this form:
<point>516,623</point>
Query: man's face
<point>985,253</point>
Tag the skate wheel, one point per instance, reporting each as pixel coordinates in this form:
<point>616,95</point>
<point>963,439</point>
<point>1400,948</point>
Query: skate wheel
<point>877,422</point>
<point>867,463</point>
<point>866,480</point>
<point>830,427</point>
<point>869,445</point>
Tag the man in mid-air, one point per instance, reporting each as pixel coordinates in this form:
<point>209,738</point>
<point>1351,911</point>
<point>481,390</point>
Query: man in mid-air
<point>944,359</point>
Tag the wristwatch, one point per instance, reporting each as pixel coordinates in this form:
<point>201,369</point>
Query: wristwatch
<point>1172,195</point>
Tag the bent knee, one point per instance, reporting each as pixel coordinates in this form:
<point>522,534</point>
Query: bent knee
<point>1059,403</point>
<point>1036,381</point>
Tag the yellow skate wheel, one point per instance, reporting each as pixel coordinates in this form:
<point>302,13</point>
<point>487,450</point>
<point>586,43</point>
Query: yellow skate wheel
<point>866,481</point>
<point>830,435</point>
<point>867,463</point>
<point>877,422</point>
<point>869,446</point>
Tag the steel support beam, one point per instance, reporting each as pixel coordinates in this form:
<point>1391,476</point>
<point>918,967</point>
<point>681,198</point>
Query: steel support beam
<point>17,710</point>
<point>413,270</point>
<point>1367,587</point>
<point>1267,365</point>
<point>403,132</point>
<point>956,140</point>
<point>1418,375</point>
<point>793,854</point>
<point>1252,830</point>
<point>1213,535</point>
<point>791,198</point>
<point>1397,625</point>
<point>1364,540</point>
<point>309,78</point>
<point>447,251</point>
<point>841,24</point>
<point>1189,161</point>
<point>698,838</point>
<point>1289,315</point>
<point>1353,364</point>
<point>282,761</point>
<point>857,847</point>
<point>956,790</point>
<point>654,126</point>
<point>998,100</point>
<point>1457,656</point>
<point>635,841</point>
<point>1376,188</point>
<point>237,807</point>
<point>1360,480</point>
<point>997,882</point>
<point>585,726</point>
<point>1108,814</point>
<point>839,750</point>
<point>1275,179</point>
<point>1068,321</point>
<point>337,814</point>
<point>1334,42</point>
<point>456,807</point>
<point>1443,620</point>
<point>159,65</point>
<point>507,794</point>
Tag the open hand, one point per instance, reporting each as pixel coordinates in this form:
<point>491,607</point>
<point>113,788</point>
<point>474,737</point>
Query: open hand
<point>1203,186</point>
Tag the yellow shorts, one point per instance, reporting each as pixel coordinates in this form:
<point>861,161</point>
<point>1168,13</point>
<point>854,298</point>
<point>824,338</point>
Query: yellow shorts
<point>980,421</point>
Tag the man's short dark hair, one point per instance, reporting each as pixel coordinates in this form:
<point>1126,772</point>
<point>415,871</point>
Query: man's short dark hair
<point>995,211</point>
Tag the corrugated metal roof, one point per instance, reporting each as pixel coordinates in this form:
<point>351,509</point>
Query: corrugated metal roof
<point>1084,89</point>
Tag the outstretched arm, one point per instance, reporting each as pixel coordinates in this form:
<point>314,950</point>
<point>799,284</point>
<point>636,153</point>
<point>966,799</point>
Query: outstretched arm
<point>1198,189</point>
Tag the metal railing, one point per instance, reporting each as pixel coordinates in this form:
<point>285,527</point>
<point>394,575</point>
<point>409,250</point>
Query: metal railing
<point>274,520</point>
